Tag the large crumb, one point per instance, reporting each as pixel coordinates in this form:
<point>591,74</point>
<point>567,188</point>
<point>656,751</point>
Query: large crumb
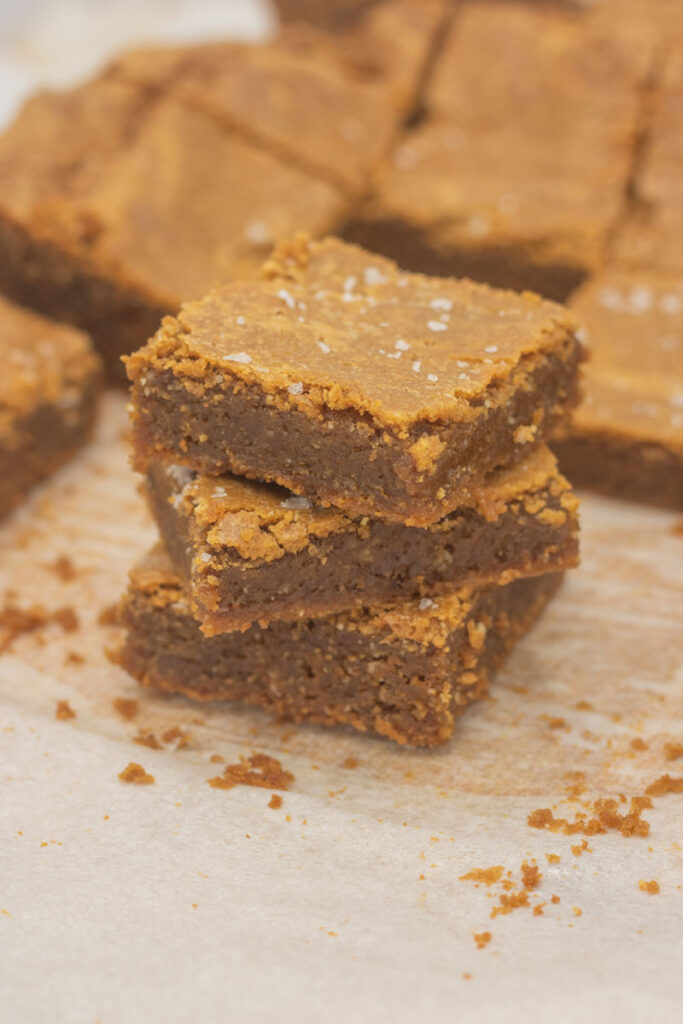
<point>136,774</point>
<point>126,707</point>
<point>652,886</point>
<point>665,784</point>
<point>256,770</point>
<point>64,712</point>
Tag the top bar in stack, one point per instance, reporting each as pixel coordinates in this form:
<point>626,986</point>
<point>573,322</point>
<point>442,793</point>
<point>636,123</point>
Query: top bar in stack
<point>338,376</point>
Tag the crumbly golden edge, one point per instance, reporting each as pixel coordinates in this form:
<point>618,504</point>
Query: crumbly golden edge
<point>210,380</point>
<point>536,535</point>
<point>416,704</point>
<point>265,532</point>
<point>173,426</point>
<point>402,621</point>
<point>553,505</point>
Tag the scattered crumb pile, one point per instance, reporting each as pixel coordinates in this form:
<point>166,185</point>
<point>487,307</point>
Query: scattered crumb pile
<point>512,895</point>
<point>16,622</point>
<point>175,737</point>
<point>255,770</point>
<point>604,816</point>
<point>136,774</point>
<point>64,711</point>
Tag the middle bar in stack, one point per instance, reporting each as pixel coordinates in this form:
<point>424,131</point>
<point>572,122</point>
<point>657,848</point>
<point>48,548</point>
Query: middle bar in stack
<point>408,414</point>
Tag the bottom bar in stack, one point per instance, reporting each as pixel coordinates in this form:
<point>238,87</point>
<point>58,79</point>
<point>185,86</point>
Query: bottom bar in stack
<point>404,670</point>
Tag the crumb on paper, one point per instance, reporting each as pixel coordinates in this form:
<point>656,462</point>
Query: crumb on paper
<point>17,622</point>
<point>217,759</point>
<point>255,770</point>
<point>109,616</point>
<point>509,901</point>
<point>275,802</point>
<point>64,569</point>
<point>482,939</point>
<point>64,712</point>
<point>665,784</point>
<point>177,736</point>
<point>652,886</point>
<point>555,722</point>
<point>126,707</point>
<point>553,858</point>
<point>673,751</point>
<point>350,763</point>
<point>136,774</point>
<point>147,739</point>
<point>74,658</point>
<point>531,876</point>
<point>489,876</point>
<point>638,744</point>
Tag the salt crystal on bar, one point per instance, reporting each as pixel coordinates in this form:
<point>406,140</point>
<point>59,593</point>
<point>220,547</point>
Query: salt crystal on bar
<point>286,297</point>
<point>416,366</point>
<point>296,388</point>
<point>240,320</point>
<point>350,283</point>
<point>433,377</point>
<point>491,348</point>
<point>436,325</point>
<point>238,357</point>
<point>372,275</point>
<point>444,304</point>
<point>323,347</point>
<point>295,502</point>
<point>425,603</point>
<point>402,345</point>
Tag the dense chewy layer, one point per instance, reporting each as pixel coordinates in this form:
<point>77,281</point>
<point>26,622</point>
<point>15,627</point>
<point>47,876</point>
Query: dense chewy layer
<point>354,384</point>
<point>252,552</point>
<point>626,438</point>
<point>48,389</point>
<point>404,671</point>
<point>516,177</point>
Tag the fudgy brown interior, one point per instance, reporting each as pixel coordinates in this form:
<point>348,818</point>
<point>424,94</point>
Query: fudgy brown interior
<point>346,461</point>
<point>383,562</point>
<point>311,671</point>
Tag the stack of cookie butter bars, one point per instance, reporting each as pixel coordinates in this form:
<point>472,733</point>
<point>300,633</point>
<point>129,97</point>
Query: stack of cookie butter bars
<point>358,510</point>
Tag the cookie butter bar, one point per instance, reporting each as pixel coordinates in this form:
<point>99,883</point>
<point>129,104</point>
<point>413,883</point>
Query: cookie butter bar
<point>118,202</point>
<point>252,552</point>
<point>338,376</point>
<point>48,390</point>
<point>516,177</point>
<point>405,671</point>
<point>627,436</point>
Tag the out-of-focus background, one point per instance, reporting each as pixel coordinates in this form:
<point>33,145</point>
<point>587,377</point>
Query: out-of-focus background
<point>59,42</point>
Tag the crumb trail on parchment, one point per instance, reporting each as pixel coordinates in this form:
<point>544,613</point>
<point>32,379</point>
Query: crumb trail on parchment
<point>136,774</point>
<point>255,770</point>
<point>64,712</point>
<point>16,622</point>
<point>605,817</point>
